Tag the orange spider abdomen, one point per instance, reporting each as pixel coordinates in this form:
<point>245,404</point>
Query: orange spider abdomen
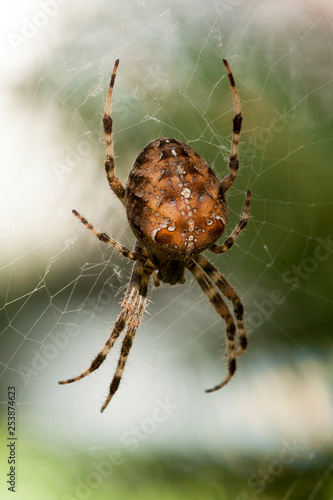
<point>174,201</point>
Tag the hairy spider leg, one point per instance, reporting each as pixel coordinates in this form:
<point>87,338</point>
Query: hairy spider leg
<point>222,309</point>
<point>129,305</point>
<point>114,182</point>
<point>237,124</point>
<point>228,291</point>
<point>238,229</point>
<point>134,320</point>
<point>109,241</point>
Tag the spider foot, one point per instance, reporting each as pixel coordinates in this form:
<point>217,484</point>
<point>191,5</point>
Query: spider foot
<point>74,379</point>
<point>219,386</point>
<point>107,401</point>
<point>115,381</point>
<point>231,371</point>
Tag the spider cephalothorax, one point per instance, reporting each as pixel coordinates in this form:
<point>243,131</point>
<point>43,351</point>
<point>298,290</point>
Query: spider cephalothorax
<point>176,209</point>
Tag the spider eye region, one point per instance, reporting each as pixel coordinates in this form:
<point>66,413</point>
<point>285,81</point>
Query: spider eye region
<point>174,201</point>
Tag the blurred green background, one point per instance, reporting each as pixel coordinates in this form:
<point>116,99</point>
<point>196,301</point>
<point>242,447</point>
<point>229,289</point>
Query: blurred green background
<point>268,434</point>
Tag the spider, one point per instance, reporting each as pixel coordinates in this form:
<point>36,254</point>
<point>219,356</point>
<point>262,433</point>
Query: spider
<point>176,209</point>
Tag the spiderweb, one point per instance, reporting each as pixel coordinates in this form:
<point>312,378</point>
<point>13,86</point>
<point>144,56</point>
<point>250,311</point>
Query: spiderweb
<point>61,289</point>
